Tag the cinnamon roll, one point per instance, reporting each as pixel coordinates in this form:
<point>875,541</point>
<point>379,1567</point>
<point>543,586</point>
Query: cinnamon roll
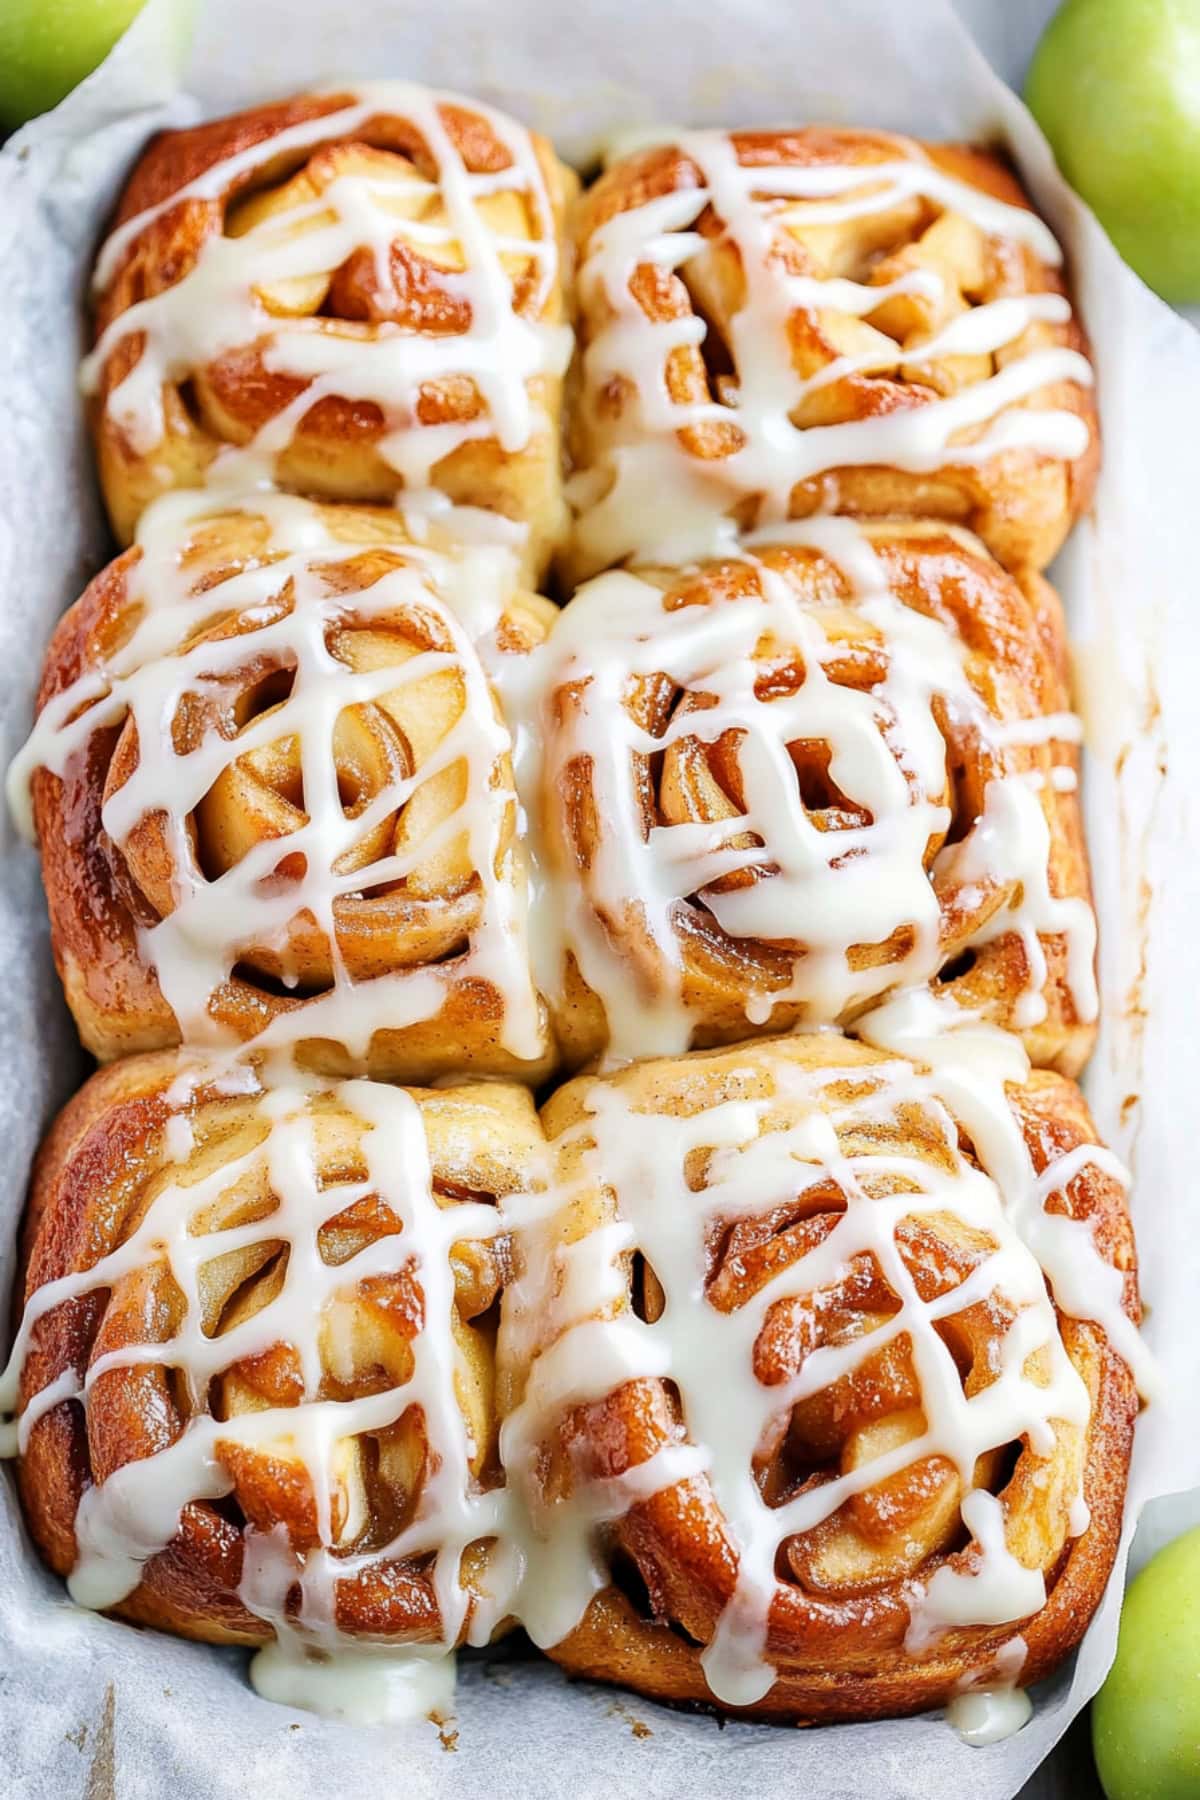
<point>274,793</point>
<point>255,1373</point>
<point>814,1374</point>
<point>781,785</point>
<point>777,323</point>
<point>348,293</point>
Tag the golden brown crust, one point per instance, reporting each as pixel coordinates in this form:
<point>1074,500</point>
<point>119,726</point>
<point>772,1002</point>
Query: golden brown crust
<point>335,450</point>
<point>99,1168</point>
<point>1021,501</point>
<point>839,1654</point>
<point>100,893</point>
<point>1014,648</point>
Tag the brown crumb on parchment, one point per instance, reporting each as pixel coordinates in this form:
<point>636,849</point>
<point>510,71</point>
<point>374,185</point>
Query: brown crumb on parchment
<point>101,1783</point>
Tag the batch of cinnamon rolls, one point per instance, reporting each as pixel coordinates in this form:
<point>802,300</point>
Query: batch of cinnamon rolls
<point>561,827</point>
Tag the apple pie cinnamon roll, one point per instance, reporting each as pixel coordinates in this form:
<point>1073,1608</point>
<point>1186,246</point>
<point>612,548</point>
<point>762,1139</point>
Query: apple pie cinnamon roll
<point>348,293</point>
<point>274,793</point>
<point>255,1373</point>
<point>776,323</point>
<point>779,786</point>
<point>815,1376</point>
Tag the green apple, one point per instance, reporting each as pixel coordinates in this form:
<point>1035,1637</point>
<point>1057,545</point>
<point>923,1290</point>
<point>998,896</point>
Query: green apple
<point>48,46</point>
<point>1146,1717</point>
<point>1115,85</point>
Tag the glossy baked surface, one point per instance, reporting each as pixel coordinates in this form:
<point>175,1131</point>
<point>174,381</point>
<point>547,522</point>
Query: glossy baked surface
<point>774,324</point>
<point>779,786</point>
<point>820,1391</point>
<point>357,293</point>
<point>791,1375</point>
<point>279,1328</point>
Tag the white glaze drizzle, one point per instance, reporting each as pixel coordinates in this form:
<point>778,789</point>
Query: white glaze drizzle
<point>828,891</point>
<point>987,1710</point>
<point>988,1715</point>
<point>570,1301</point>
<point>638,1155</point>
<point>971,1065</point>
<point>645,495</point>
<point>567,1314</point>
<point>196,947</point>
<point>135,1513</point>
<point>217,306</point>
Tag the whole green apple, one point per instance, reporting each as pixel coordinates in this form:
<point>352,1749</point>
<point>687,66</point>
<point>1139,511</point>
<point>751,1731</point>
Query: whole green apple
<point>48,46</point>
<point>1146,1717</point>
<point>1115,85</point>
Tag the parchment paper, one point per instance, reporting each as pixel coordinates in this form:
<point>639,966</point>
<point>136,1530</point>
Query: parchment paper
<point>93,1708</point>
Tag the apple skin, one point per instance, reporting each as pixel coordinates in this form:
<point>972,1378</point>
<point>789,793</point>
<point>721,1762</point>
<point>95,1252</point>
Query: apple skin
<point>1146,1717</point>
<point>1115,86</point>
<point>48,46</point>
